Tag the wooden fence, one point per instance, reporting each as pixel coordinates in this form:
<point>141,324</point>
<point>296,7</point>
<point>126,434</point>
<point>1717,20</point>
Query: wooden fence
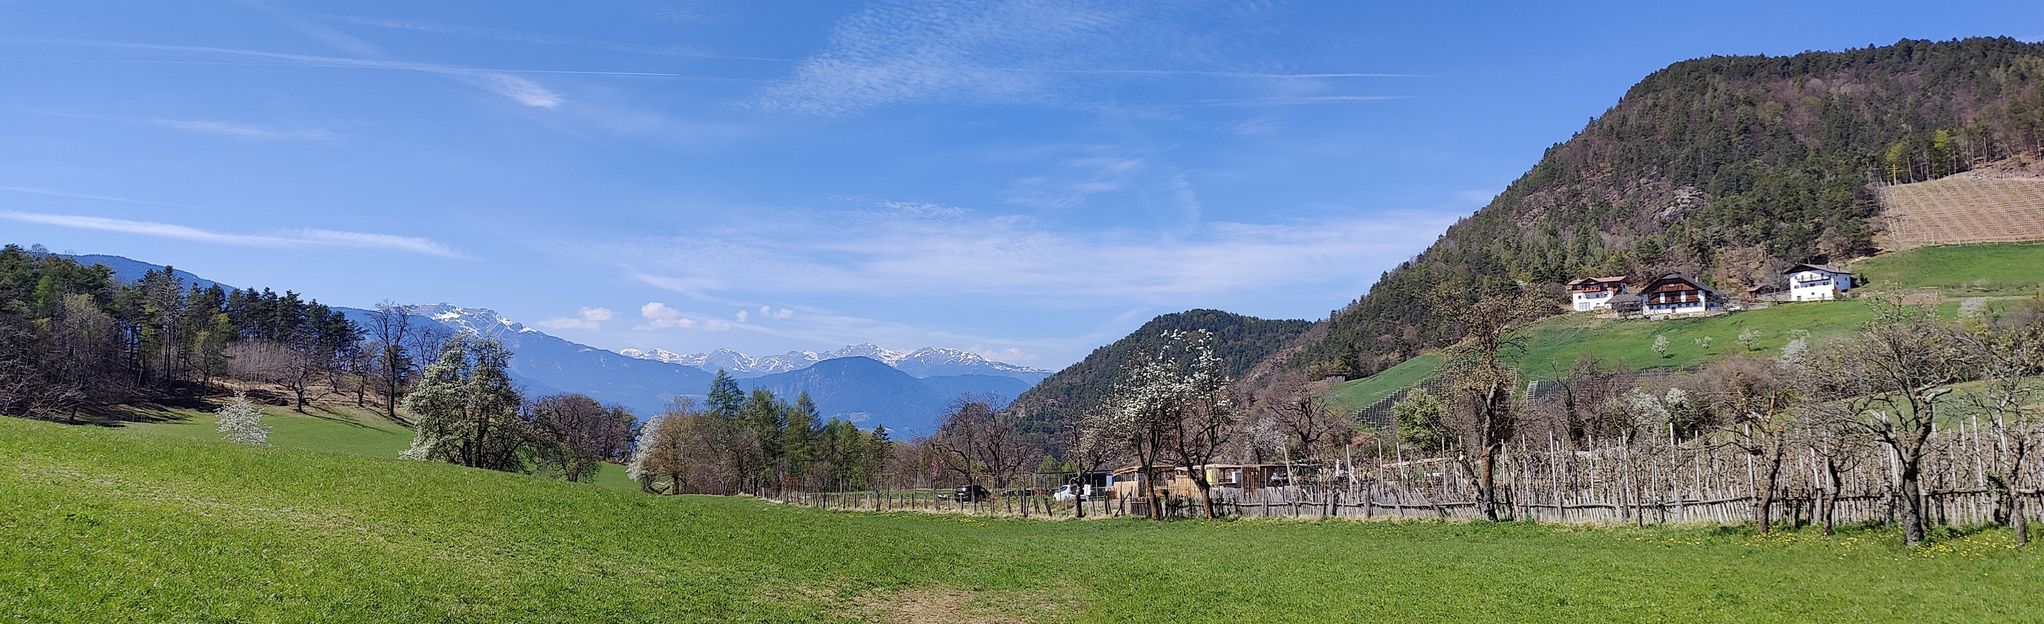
<point>1635,482</point>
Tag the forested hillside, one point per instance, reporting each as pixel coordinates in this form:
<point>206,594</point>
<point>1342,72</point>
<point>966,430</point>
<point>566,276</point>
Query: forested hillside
<point>1240,341</point>
<point>73,338</point>
<point>1724,167</point>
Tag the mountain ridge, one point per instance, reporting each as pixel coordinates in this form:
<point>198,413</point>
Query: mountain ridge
<point>1727,168</point>
<point>544,364</point>
<point>921,363</point>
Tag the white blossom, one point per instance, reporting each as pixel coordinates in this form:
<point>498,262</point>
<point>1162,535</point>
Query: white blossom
<point>242,422</point>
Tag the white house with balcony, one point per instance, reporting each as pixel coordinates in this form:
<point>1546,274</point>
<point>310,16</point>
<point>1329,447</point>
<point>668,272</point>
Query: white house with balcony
<point>1678,295</point>
<point>1595,293</point>
<point>1816,282</point>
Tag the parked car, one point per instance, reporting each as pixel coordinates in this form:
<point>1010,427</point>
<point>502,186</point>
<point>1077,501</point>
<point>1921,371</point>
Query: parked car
<point>1070,493</point>
<point>970,494</point>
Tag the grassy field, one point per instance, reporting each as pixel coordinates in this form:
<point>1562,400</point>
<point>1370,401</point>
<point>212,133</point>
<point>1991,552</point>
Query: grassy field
<point>1958,270</point>
<point>1357,394</point>
<point>1553,344</point>
<point>100,525</point>
<point>326,427</point>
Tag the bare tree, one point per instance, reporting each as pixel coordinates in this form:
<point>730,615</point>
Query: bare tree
<point>1893,378</point>
<point>2010,353</point>
<point>1482,381</point>
<point>580,433</point>
<point>1311,430</point>
<point>978,441</point>
<point>389,331</point>
<point>1760,404</point>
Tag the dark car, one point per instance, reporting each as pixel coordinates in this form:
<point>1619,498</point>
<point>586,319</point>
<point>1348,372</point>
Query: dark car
<point>970,494</point>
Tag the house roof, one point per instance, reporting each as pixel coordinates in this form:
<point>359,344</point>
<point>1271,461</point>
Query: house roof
<point>1678,278</point>
<point>1814,267</point>
<point>1598,280</point>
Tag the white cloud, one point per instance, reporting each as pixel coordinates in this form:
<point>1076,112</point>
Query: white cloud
<point>247,131</point>
<point>585,318</point>
<point>662,316</point>
<point>921,210</point>
<point>784,313</point>
<point>297,238</point>
<point>1016,257</point>
<point>1291,100</point>
<point>1024,52</point>
<point>412,244</point>
<point>741,315</point>
<point>504,82</point>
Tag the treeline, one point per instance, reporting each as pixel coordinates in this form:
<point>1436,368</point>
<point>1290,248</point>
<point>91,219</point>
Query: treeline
<point>756,443</point>
<point>1725,167</point>
<point>73,337</point>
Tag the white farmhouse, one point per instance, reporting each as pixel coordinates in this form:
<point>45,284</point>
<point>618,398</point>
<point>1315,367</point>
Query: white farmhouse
<point>1816,282</point>
<point>1594,293</point>
<point>1677,295</point>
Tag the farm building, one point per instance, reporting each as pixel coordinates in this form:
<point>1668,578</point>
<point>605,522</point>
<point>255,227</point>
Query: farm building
<point>1678,295</point>
<point>1595,293</point>
<point>1128,481</point>
<point>1816,282</point>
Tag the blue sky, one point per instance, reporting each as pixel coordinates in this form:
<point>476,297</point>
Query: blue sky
<point>1027,179</point>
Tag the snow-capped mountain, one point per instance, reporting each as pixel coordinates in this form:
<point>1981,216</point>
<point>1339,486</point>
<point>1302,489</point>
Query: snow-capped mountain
<point>868,384</point>
<point>479,321</point>
<point>920,363</point>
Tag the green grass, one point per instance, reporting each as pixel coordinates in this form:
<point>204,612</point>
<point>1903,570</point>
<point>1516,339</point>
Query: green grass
<point>100,525</point>
<point>1958,270</point>
<point>1357,394</point>
<point>336,429</point>
<point>1554,344</point>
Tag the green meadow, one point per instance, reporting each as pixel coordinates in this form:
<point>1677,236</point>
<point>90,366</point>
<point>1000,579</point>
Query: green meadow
<point>1997,272</point>
<point>106,525</point>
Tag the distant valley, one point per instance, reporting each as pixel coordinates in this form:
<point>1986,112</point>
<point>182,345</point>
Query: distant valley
<point>903,391</point>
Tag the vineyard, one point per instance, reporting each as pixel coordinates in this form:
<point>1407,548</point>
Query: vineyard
<point>1963,210</point>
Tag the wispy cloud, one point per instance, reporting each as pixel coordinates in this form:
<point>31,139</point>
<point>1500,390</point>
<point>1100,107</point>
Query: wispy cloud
<point>29,190</point>
<point>247,131</point>
<point>1015,51</point>
<point>1291,100</point>
<point>285,239</point>
<point>1019,258</point>
<point>230,129</point>
<point>512,36</point>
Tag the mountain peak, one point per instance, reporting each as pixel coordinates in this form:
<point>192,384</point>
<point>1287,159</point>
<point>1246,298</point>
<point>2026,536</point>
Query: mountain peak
<point>923,362</point>
<point>481,321</point>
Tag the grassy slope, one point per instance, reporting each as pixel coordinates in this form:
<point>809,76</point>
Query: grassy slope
<point>1958,270</point>
<point>331,428</point>
<point>1357,394</point>
<point>101,526</point>
<point>1993,270</point>
<point>1553,344</point>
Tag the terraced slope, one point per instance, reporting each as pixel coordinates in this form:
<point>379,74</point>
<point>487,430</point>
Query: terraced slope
<point>1963,210</point>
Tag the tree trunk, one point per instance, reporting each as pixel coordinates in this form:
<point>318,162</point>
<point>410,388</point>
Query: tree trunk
<point>1763,504</point>
<point>1486,482</point>
<point>2022,523</point>
<point>1910,497</point>
<point>1831,492</point>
